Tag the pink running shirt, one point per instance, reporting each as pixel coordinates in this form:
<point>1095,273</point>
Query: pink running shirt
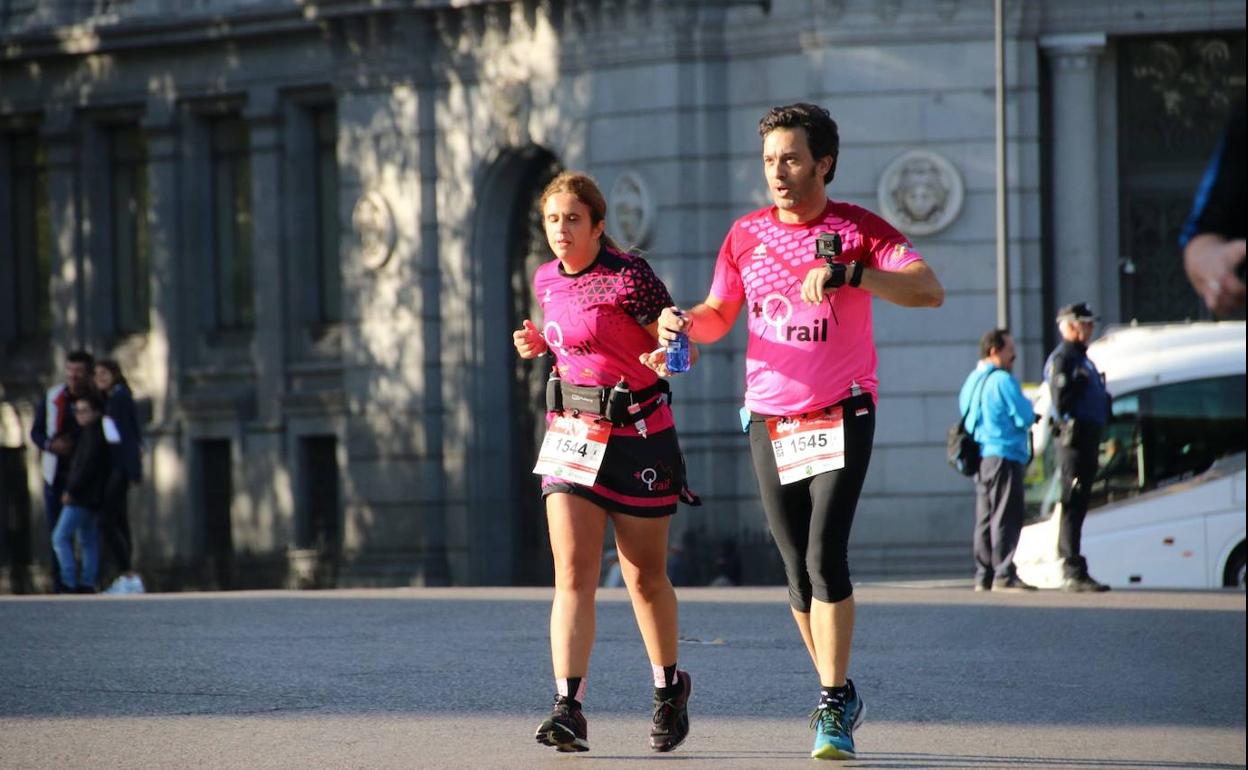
<point>594,323</point>
<point>802,357</point>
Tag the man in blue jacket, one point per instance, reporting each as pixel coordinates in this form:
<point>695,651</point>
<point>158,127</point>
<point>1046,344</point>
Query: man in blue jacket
<point>1000,417</point>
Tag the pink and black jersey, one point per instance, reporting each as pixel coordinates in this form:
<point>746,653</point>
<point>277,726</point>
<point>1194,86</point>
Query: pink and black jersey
<point>593,320</point>
<point>802,357</point>
<point>594,324</point>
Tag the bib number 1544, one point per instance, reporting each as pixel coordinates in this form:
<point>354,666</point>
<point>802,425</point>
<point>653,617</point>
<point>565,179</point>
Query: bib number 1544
<point>573,449</point>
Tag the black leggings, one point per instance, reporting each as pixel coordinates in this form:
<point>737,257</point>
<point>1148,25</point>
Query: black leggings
<point>810,519</point>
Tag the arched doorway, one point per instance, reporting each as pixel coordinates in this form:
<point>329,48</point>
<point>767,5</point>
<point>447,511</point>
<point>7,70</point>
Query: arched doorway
<point>510,244</point>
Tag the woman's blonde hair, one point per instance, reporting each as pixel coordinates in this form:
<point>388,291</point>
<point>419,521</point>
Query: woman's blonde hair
<point>586,191</point>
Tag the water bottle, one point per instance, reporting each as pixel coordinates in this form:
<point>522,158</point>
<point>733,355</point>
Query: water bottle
<point>554,391</point>
<point>678,352</point>
<point>618,402</point>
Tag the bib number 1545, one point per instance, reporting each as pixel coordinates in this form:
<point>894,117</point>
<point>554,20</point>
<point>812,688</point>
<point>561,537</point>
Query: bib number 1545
<point>807,445</point>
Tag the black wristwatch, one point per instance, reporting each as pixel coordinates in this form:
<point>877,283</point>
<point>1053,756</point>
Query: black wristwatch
<point>844,274</point>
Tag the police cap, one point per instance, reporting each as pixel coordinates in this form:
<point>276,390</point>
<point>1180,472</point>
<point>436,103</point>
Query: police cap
<point>1079,312</point>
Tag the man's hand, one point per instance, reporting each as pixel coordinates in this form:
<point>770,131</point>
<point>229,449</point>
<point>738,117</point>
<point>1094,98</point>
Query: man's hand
<point>813,290</point>
<point>672,321</point>
<point>1211,262</point>
<point>529,341</point>
<point>61,445</point>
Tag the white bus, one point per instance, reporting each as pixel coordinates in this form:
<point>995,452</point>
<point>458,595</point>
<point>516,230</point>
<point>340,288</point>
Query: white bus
<point>1167,507</point>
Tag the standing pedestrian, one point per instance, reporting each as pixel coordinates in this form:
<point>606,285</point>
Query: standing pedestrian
<point>610,452</point>
<point>83,498</point>
<point>810,377</point>
<point>1081,408</point>
<point>999,417</point>
<point>54,432</point>
<point>125,441</point>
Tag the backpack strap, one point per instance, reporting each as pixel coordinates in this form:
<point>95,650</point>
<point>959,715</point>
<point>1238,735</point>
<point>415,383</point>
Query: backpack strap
<point>979,388</point>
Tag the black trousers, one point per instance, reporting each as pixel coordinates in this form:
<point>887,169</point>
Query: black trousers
<point>52,509</point>
<point>998,518</point>
<point>810,519</point>
<point>1077,459</point>
<point>115,525</point>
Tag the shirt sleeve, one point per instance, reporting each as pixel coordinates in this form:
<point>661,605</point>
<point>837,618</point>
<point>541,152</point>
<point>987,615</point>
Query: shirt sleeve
<point>1020,409</point>
<point>887,248</point>
<point>1218,206</point>
<point>726,283</point>
<point>646,295</point>
<point>39,430</point>
<point>1065,387</point>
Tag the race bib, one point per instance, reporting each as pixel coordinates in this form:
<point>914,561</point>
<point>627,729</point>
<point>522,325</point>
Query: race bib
<point>573,449</point>
<point>807,445</point>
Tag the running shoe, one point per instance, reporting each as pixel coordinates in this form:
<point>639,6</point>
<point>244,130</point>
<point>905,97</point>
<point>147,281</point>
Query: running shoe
<point>671,714</point>
<point>1084,583</point>
<point>565,728</point>
<point>834,725</point>
<point>1011,584</point>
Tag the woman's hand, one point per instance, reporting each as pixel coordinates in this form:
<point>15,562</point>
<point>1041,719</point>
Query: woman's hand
<point>656,361</point>
<point>529,341</point>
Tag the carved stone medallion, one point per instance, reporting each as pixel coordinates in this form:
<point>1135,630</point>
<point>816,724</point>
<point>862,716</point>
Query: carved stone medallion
<point>630,210</point>
<point>374,226</point>
<point>920,192</point>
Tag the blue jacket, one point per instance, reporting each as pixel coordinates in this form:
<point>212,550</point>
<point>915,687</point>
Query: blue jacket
<point>1001,417</point>
<point>1077,389</point>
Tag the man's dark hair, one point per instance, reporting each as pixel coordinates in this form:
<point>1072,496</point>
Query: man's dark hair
<point>821,133</point>
<point>81,357</point>
<point>993,340</point>
<point>93,398</point>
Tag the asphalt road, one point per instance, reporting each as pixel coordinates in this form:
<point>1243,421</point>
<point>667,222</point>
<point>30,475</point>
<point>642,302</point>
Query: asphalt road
<point>432,678</point>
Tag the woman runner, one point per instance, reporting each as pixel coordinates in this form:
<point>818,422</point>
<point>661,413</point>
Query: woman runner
<point>608,410</point>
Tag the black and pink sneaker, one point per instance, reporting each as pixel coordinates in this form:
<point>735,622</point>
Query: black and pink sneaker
<point>671,714</point>
<point>565,729</point>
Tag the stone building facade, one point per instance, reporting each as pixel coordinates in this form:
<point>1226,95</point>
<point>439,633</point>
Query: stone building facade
<point>305,229</point>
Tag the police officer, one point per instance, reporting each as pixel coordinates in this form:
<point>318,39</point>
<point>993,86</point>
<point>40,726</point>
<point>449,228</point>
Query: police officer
<point>1082,407</point>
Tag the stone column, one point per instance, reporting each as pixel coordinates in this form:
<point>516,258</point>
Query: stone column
<point>1075,193</point>
<point>96,226</point>
<point>267,473</point>
<point>8,288</point>
<point>68,325</point>
<point>165,361</point>
<point>269,344</point>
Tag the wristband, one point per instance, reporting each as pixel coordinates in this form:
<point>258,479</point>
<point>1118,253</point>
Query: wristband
<point>855,274</point>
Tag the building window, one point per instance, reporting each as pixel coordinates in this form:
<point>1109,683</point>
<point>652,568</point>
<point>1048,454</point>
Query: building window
<point>328,270</point>
<point>131,247</point>
<point>231,224</point>
<point>27,252</point>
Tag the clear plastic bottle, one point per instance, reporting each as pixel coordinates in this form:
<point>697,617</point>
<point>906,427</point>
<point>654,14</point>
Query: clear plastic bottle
<point>678,353</point>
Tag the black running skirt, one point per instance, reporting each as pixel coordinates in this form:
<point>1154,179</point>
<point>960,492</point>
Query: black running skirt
<point>639,476</point>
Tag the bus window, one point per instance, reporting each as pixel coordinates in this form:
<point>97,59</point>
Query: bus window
<point>1188,425</point>
<point>1118,473</point>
